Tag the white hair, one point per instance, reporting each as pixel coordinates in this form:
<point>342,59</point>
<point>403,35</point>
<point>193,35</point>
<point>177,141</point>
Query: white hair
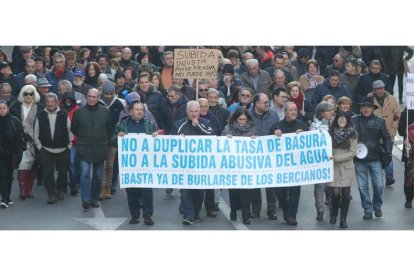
<point>190,104</point>
<point>30,78</point>
<point>252,62</point>
<point>102,77</point>
<point>28,88</point>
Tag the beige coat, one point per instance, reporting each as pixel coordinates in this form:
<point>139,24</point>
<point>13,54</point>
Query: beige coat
<point>390,112</point>
<point>344,172</point>
<point>305,82</point>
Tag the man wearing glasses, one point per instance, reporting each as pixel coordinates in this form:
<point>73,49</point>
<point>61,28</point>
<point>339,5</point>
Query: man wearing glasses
<point>245,99</point>
<point>338,63</point>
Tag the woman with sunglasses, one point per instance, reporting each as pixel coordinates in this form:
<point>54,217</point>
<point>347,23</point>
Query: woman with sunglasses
<point>26,108</point>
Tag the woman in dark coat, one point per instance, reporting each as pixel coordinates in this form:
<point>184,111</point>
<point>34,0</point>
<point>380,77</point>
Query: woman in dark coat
<point>240,124</point>
<point>11,148</point>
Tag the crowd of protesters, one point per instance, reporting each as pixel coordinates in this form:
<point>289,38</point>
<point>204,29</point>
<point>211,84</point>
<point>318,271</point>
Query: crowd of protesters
<point>62,109</point>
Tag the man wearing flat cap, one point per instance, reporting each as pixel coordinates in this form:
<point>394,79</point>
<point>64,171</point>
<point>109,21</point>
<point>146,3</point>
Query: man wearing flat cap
<point>372,131</point>
<point>389,110</point>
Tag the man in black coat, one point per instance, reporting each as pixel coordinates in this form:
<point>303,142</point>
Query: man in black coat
<point>93,126</point>
<point>364,85</point>
<point>289,196</point>
<point>373,133</point>
<point>192,199</point>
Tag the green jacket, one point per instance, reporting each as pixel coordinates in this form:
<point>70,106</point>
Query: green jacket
<point>122,127</point>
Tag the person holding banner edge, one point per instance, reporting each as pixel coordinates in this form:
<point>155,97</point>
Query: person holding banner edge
<point>240,124</point>
<point>191,199</point>
<point>289,196</point>
<point>137,123</point>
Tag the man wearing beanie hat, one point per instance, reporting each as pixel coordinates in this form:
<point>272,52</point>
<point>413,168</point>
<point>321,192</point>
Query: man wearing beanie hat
<point>228,82</point>
<point>110,101</point>
<point>390,111</point>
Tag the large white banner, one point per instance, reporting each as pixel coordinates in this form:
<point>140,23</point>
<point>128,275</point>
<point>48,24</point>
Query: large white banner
<point>211,162</point>
<point>410,91</point>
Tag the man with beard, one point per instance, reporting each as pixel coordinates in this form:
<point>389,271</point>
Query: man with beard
<point>78,82</point>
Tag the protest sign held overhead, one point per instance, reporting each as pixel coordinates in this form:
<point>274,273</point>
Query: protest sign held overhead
<point>195,63</point>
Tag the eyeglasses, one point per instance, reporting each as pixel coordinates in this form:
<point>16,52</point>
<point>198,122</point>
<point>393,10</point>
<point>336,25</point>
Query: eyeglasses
<point>203,90</point>
<point>245,95</point>
<point>28,94</point>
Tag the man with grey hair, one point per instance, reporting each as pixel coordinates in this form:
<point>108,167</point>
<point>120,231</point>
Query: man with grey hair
<point>29,68</point>
<point>78,82</point>
<point>191,199</point>
<point>221,113</point>
<point>256,79</point>
<point>31,79</point>
<point>52,138</point>
<point>5,93</point>
<point>66,87</point>
<point>59,72</point>
<point>92,124</point>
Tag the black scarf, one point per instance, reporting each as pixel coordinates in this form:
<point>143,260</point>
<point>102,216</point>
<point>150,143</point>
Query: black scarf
<point>238,130</point>
<point>341,137</point>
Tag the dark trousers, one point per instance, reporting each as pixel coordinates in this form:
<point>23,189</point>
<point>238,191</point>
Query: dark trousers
<point>256,198</point>
<point>115,172</point>
<point>191,202</point>
<point>240,199</point>
<point>134,196</point>
<point>6,176</point>
<point>209,200</point>
<point>408,185</point>
<point>48,161</point>
<point>400,84</point>
<point>289,200</point>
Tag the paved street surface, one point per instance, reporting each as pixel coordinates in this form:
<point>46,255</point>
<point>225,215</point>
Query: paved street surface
<point>35,214</point>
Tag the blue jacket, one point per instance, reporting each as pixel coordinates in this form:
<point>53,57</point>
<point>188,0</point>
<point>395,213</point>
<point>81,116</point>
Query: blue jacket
<point>53,80</point>
<point>324,89</point>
